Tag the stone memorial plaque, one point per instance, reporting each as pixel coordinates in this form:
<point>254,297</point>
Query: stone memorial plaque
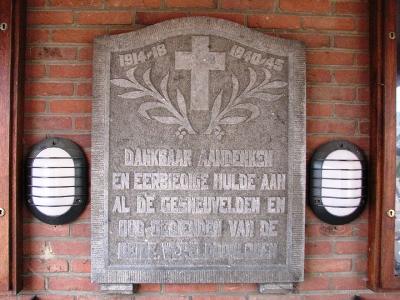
<point>198,156</point>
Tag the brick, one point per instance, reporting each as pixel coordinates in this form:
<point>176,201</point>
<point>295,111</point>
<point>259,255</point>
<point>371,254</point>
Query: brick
<point>380,296</point>
<point>79,3</point>
<point>313,284</point>
<point>33,283</point>
<point>70,106</point>
<point>352,8</point>
<point>68,247</point>
<point>72,284</point>
<point>149,288</point>
<point>349,282</point>
<point>364,127</point>
<point>50,53</point>
<point>49,89</point>
<point>318,230</point>
<point>277,297</point>
<point>360,265</point>
<point>81,230</point>
<point>329,23</point>
<point>219,297</point>
<point>70,71</point>
<point>318,75</point>
<point>318,248</point>
<point>81,266</point>
<point>310,216</point>
<point>50,17</point>
<point>33,247</point>
<point>362,230</point>
<point>76,35</point>
<point>162,298</point>
<point>247,4</point>
<point>327,265</point>
<point>26,214</point>
<point>36,3</point>
<point>313,40</point>
<point>103,297</point>
<point>104,17</point>
<point>34,106</point>
<point>318,6</point>
<point>48,123</point>
<point>47,297</point>
<point>35,71</point>
<point>329,58</point>
<point>237,18</point>
<point>329,92</point>
<point>363,59</point>
<point>331,126</point>
<point>85,53</point>
<point>86,214</point>
<point>133,3</point>
<point>362,142</point>
<point>364,214</point>
<point>83,140</point>
<point>273,21</point>
<point>45,266</point>
<point>88,155</point>
<point>239,288</point>
<point>191,288</point>
<point>190,3</point>
<point>84,89</point>
<point>352,111</point>
<point>150,18</point>
<point>364,94</point>
<point>37,36</point>
<point>83,123</point>
<point>29,141</point>
<point>119,30</point>
<point>41,229</point>
<point>351,247</point>
<point>351,42</point>
<point>362,25</point>
<point>332,296</point>
<point>312,143</point>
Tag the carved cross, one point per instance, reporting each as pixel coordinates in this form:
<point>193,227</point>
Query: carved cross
<point>200,61</point>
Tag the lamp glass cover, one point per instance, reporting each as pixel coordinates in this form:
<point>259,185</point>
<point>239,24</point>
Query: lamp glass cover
<point>53,181</point>
<point>341,183</point>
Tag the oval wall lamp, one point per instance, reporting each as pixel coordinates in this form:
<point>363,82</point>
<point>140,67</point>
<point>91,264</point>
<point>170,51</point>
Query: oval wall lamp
<point>56,181</point>
<point>338,182</point>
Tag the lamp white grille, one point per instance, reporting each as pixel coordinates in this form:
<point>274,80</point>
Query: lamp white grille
<point>53,181</point>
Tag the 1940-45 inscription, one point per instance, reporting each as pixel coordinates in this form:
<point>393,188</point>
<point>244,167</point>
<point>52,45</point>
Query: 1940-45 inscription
<point>198,155</point>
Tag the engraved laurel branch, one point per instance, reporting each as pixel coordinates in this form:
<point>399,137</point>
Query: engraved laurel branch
<point>163,100</point>
<point>218,113</point>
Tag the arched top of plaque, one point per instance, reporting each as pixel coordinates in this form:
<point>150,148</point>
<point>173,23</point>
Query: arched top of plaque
<point>199,26</point>
<point>198,155</point>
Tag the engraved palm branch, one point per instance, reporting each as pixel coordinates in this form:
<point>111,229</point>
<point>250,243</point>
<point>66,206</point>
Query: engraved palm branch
<point>218,115</point>
<point>163,100</point>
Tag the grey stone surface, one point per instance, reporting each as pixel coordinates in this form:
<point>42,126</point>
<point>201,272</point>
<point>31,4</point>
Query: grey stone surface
<point>275,288</point>
<point>112,288</point>
<point>198,156</point>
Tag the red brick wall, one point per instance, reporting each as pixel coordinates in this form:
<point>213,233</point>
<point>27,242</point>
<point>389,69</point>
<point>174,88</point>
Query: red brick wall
<point>58,103</point>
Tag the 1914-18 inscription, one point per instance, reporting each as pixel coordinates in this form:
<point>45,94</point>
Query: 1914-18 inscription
<point>198,156</point>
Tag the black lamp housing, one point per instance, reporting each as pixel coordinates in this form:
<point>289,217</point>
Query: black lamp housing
<point>338,182</point>
<point>56,181</point>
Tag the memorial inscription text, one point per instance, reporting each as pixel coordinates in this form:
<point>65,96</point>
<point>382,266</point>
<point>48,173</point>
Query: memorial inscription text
<point>173,206</point>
